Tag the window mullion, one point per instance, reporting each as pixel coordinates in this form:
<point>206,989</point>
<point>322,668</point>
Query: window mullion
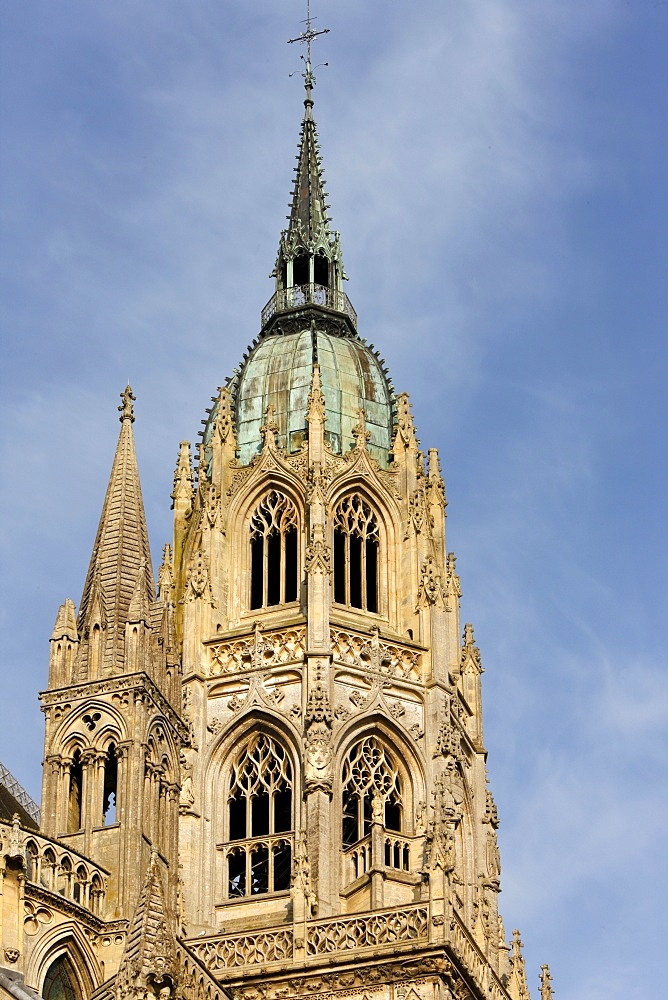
<point>346,575</point>
<point>265,570</point>
<point>270,866</point>
<point>363,571</point>
<point>281,569</point>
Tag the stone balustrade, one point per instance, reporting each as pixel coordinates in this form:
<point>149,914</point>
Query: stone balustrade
<point>56,868</point>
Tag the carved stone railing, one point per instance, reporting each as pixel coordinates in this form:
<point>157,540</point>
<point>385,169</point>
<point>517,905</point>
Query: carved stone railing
<point>357,859</point>
<point>404,925</point>
<point>467,950</point>
<point>58,869</point>
<point>392,851</point>
<point>375,654</point>
<point>397,851</point>
<point>372,930</point>
<point>286,299</point>
<point>244,949</point>
<point>257,651</point>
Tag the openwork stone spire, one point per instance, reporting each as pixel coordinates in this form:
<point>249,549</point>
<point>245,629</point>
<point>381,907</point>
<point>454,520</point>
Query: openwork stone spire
<point>309,266</point>
<point>121,561</point>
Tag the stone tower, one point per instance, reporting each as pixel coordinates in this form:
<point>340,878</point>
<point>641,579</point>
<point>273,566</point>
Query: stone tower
<point>337,833</point>
<point>267,777</point>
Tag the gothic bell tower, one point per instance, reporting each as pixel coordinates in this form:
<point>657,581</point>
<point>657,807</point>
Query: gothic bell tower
<point>336,828</point>
<point>113,730</point>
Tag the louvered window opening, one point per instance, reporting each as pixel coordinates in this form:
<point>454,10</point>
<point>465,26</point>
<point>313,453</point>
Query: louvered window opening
<point>273,540</point>
<point>259,855</point>
<point>356,542</point>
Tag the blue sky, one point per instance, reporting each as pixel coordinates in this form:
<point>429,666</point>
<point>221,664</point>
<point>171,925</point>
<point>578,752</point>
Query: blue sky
<point>497,169</point>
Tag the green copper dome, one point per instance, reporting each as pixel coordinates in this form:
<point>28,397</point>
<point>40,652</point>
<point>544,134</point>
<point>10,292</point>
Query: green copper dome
<point>279,372</point>
<point>309,319</point>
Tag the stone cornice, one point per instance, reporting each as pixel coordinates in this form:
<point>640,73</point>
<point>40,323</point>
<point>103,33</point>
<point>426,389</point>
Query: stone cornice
<point>139,682</point>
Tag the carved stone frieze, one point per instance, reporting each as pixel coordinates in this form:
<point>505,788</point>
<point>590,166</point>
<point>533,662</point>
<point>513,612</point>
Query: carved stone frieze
<point>258,650</point>
<point>376,655</point>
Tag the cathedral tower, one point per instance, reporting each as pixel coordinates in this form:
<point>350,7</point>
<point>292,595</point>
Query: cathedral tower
<point>336,828</point>
<point>267,777</point>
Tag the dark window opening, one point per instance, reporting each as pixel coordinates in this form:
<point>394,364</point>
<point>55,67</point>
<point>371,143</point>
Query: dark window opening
<point>300,270</point>
<point>339,567</point>
<point>355,598</point>
<point>283,811</point>
<point>273,543</point>
<point>291,565</point>
<point>350,821</point>
<point>356,555</point>
<point>282,867</point>
<point>321,270</point>
<point>259,869</point>
<point>74,804</point>
<point>260,815</point>
<point>260,808</point>
<point>284,274</point>
<point>257,572</point>
<point>274,560</point>
<point>237,819</point>
<point>392,816</point>
<point>370,778</point>
<point>110,786</point>
<point>236,871</point>
<point>372,575</point>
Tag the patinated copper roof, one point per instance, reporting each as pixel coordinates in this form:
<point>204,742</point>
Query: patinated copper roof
<point>279,372</point>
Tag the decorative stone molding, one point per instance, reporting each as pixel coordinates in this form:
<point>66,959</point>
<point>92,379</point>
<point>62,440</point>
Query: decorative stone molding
<point>198,586</point>
<point>318,553</point>
<point>259,650</point>
<point>375,655</point>
<point>430,591</point>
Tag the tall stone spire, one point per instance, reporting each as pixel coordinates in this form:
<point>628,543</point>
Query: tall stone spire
<point>308,210</point>
<point>120,566</point>
<point>309,266</point>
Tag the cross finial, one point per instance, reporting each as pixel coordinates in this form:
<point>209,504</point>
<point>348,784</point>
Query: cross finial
<point>307,36</point>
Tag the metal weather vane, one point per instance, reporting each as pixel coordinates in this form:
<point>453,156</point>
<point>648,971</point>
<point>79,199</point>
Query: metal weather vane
<point>307,36</point>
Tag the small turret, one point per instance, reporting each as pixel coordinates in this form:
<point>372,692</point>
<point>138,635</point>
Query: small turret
<point>119,584</point>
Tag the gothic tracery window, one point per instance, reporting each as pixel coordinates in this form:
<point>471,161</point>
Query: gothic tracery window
<point>60,983</point>
<point>259,856</point>
<point>371,784</point>
<point>356,539</point>
<point>273,534</point>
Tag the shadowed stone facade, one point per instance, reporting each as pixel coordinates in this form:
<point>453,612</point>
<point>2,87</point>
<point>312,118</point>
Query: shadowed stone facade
<point>265,778</point>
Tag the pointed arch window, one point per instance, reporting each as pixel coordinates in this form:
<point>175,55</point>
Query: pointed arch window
<point>356,539</point>
<point>75,794</point>
<point>371,781</point>
<point>273,540</point>
<point>110,788</point>
<point>260,826</point>
<point>60,982</point>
